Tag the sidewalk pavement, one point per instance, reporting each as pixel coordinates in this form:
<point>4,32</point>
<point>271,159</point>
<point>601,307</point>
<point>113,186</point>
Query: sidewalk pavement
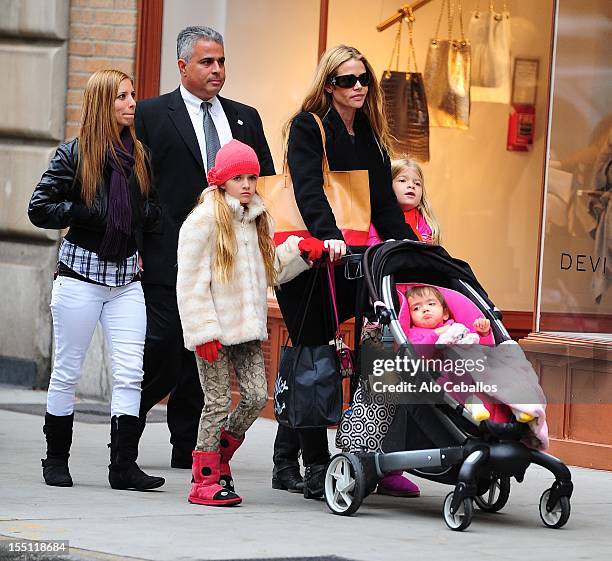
<point>101,523</point>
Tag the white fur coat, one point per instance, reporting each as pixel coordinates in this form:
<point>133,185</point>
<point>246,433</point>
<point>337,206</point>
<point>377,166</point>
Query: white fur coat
<point>235,312</point>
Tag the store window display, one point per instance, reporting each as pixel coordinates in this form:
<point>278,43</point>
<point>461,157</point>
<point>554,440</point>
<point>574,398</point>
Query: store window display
<point>577,251</point>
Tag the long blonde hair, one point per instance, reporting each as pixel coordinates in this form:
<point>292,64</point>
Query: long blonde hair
<point>424,206</point>
<point>319,101</point>
<point>99,134</point>
<point>225,242</point>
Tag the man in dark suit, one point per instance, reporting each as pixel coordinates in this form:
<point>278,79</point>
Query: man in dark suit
<point>184,129</point>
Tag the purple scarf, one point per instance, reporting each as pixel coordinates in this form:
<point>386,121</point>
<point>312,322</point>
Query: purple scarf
<point>119,216</point>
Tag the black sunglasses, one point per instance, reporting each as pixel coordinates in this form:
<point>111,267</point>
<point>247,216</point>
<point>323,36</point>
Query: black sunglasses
<point>349,80</point>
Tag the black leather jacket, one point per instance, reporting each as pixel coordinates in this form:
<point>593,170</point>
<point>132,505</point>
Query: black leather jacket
<point>56,203</point>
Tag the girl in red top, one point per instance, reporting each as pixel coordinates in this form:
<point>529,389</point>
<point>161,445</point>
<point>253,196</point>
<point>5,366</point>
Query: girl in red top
<point>409,189</point>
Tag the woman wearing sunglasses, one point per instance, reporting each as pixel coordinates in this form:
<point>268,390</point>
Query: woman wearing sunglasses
<point>346,95</point>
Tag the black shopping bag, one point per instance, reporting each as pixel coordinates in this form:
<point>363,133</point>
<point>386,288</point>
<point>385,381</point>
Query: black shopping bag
<point>308,388</point>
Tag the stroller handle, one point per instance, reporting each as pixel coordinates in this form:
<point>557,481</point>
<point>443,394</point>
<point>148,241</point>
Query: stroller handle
<point>352,262</point>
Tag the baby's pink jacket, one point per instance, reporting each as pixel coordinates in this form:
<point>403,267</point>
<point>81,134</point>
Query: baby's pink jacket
<point>425,335</point>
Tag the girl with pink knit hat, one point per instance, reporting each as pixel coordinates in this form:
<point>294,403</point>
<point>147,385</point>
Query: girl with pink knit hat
<point>226,263</point>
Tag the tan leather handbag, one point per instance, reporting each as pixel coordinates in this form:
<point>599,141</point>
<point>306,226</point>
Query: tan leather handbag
<point>348,194</point>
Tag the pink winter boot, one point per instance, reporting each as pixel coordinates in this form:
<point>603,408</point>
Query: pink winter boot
<point>228,444</point>
<point>205,488</point>
<point>396,485</point>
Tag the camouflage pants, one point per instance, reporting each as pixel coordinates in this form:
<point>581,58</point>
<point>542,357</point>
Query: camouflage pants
<point>248,363</point>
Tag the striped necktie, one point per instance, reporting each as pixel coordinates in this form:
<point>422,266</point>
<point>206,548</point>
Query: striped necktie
<point>210,133</point>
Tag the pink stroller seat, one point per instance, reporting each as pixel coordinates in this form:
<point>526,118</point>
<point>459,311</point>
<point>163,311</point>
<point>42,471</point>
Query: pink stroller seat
<point>464,311</point>
<point>462,308</point>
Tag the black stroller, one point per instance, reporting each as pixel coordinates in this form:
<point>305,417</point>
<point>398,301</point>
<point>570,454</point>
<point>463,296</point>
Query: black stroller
<point>447,445</point>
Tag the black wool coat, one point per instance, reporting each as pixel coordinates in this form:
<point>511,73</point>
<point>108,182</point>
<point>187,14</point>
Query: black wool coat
<point>179,175</point>
<point>305,155</point>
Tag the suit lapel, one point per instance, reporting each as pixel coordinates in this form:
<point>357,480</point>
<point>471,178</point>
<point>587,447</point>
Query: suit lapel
<point>180,117</point>
<point>237,126</point>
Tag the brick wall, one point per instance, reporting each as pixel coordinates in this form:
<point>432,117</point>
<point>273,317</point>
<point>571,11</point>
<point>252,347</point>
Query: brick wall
<point>102,35</point>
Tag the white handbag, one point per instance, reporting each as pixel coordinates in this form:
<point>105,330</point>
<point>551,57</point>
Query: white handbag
<point>489,35</point>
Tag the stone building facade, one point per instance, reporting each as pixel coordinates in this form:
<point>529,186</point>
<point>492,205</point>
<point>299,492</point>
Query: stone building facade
<point>48,49</point>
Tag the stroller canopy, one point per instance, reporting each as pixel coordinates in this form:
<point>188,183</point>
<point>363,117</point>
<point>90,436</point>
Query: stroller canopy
<point>409,261</point>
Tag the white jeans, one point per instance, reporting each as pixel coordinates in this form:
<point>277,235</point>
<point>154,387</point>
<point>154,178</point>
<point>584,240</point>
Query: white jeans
<point>76,307</point>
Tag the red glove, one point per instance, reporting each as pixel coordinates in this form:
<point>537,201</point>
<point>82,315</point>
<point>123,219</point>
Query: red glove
<point>209,351</point>
<point>312,247</point>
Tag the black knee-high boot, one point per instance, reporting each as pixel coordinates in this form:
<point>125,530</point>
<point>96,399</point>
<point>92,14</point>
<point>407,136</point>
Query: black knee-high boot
<point>58,433</point>
<point>315,454</point>
<point>123,472</point>
<point>286,474</point>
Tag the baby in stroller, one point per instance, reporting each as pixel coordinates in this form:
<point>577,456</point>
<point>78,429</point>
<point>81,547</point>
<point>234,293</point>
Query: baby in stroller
<point>432,320</point>
<point>444,442</point>
<point>432,323</point>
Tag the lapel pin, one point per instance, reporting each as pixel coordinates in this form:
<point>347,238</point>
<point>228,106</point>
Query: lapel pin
<point>240,122</point>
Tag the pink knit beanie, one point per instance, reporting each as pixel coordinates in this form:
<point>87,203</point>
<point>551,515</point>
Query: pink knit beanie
<point>234,158</point>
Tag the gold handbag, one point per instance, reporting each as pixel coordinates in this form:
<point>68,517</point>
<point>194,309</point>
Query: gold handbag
<point>447,74</point>
<point>348,194</point>
<point>489,34</point>
<point>406,103</point>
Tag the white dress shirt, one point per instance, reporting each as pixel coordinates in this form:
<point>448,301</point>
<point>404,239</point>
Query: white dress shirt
<point>196,113</point>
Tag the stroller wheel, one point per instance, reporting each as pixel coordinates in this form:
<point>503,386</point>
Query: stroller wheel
<point>496,496</point>
<point>344,484</point>
<point>462,518</point>
<point>558,515</point>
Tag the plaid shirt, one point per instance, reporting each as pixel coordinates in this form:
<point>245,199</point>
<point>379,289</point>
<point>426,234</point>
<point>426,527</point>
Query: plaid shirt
<point>89,265</point>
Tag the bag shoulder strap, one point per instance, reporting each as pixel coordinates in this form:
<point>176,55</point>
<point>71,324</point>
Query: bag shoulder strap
<point>332,293</point>
<point>452,7</point>
<point>396,51</point>
<point>492,7</point>
<point>323,138</point>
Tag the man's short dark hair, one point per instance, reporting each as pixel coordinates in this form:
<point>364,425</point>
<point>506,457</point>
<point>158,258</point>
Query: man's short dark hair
<point>188,37</point>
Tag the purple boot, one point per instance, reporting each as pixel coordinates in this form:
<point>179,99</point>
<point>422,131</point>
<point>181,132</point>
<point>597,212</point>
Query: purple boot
<point>396,485</point>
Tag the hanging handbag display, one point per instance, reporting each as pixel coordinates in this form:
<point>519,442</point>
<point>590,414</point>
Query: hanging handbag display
<point>308,387</point>
<point>489,34</point>
<point>348,194</point>
<point>406,102</point>
<point>447,74</point>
